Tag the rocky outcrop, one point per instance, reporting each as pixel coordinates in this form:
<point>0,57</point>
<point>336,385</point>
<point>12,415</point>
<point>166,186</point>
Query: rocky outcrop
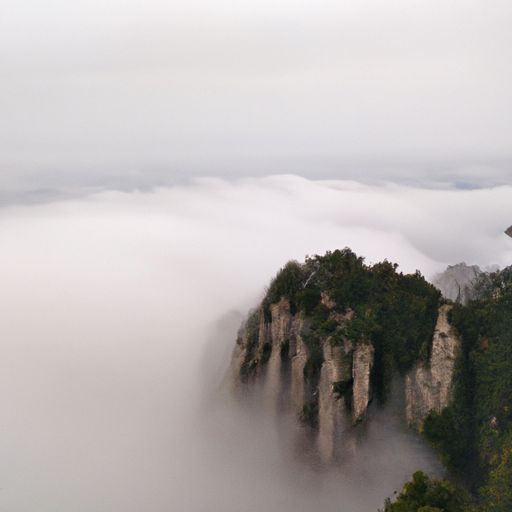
<point>361,368</point>
<point>332,409</point>
<point>299,357</point>
<point>331,332</point>
<point>428,386</point>
<point>272,349</point>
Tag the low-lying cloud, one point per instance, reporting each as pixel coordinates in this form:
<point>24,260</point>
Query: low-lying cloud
<point>110,335</point>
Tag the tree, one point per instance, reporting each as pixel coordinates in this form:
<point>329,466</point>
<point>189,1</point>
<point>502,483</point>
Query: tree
<point>423,494</point>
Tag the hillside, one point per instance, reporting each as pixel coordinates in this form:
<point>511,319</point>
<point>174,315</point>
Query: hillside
<point>333,334</point>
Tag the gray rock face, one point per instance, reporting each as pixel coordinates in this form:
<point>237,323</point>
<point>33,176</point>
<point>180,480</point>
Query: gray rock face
<point>457,281</point>
<point>275,337</point>
<point>332,391</point>
<point>509,231</point>
<point>332,413</point>
<point>273,351</point>
<point>361,367</point>
<point>299,357</point>
<point>428,387</point>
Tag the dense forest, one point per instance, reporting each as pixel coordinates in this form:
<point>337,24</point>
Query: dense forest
<point>474,434</point>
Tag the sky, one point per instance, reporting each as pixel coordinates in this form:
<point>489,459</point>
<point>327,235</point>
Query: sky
<point>127,94</point>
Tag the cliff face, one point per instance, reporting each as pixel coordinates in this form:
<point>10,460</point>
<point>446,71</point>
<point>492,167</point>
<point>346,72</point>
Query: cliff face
<point>323,360</point>
<point>331,399</point>
<point>428,386</point>
<point>361,367</point>
<point>339,396</point>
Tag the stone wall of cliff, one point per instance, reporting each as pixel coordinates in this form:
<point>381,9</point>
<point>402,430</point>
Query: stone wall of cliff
<point>428,385</point>
<point>272,349</point>
<point>333,332</point>
<point>274,352</point>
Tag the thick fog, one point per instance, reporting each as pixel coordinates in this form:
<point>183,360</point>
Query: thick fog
<point>119,313</point>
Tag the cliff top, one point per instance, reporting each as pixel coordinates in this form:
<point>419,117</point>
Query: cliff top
<point>396,312</point>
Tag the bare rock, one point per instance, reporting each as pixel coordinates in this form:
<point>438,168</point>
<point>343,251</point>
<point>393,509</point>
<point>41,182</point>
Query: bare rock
<point>331,407</point>
<point>428,387</point>
<point>361,368</point>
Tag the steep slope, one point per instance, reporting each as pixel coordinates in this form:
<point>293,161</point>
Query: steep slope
<point>332,334</point>
<point>473,433</point>
<point>428,387</point>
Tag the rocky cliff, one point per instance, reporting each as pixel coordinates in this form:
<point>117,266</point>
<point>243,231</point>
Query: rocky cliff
<point>331,397</point>
<point>331,334</point>
<point>428,385</point>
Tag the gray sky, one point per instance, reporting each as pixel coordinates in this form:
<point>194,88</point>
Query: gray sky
<point>129,93</point>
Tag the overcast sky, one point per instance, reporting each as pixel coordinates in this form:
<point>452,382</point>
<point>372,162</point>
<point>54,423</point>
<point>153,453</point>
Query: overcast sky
<point>121,93</point>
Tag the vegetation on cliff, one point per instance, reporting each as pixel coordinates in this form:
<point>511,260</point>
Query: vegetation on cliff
<point>474,433</point>
<point>395,312</point>
<point>423,494</point>
<point>344,300</point>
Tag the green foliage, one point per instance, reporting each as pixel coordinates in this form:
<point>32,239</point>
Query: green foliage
<point>251,330</point>
<point>451,433</point>
<point>307,299</point>
<point>474,434</point>
<point>498,492</point>
<point>287,283</point>
<point>423,494</point>
<point>393,311</point>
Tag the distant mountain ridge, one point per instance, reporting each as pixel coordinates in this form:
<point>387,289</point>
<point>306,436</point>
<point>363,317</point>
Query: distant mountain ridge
<point>457,282</point>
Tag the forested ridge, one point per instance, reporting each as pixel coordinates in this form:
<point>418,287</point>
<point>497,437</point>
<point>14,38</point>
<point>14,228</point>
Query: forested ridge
<point>474,434</point>
<point>395,311</point>
<point>344,298</point>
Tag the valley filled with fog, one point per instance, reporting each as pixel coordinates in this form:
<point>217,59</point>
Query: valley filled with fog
<point>119,314</point>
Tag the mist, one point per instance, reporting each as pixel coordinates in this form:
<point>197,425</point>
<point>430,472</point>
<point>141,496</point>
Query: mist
<point>119,314</point>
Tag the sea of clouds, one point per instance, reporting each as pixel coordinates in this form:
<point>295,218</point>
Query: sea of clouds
<point>118,314</point>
